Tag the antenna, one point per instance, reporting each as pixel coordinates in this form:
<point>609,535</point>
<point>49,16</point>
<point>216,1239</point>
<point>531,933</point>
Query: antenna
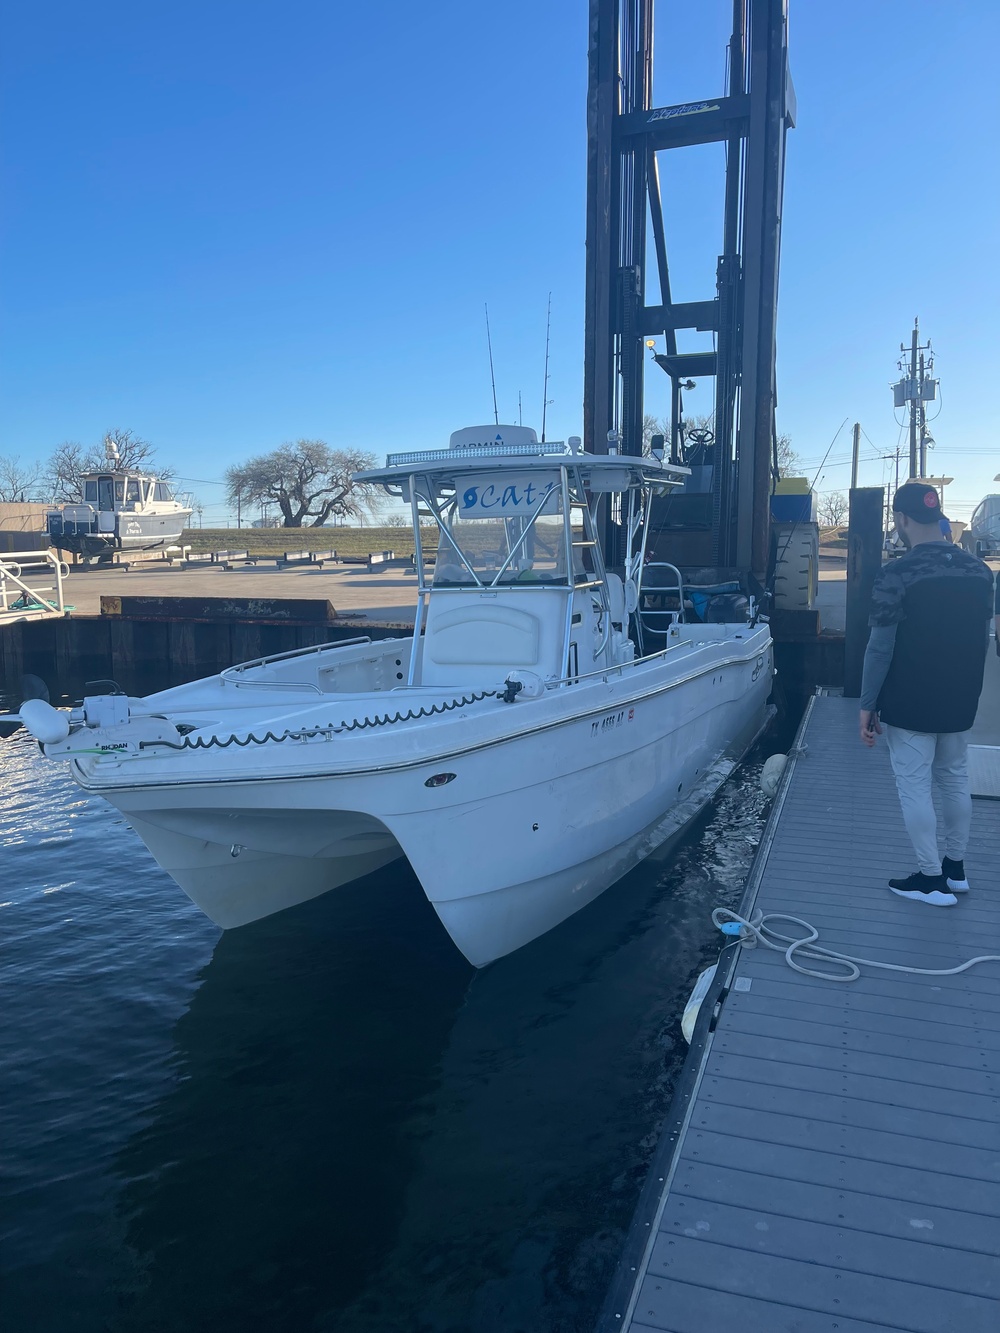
<point>520,417</point>
<point>493,381</point>
<point>545,387</point>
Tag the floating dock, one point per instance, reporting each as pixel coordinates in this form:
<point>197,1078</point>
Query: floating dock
<point>831,1159</point>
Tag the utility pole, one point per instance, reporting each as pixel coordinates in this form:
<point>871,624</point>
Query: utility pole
<point>913,412</point>
<point>913,391</point>
<point>854,455</point>
<point>888,525</point>
<point>922,419</point>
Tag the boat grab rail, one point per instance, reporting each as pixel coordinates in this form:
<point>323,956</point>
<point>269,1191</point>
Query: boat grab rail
<point>228,675</point>
<point>627,666</point>
<point>659,589</point>
<point>607,670</point>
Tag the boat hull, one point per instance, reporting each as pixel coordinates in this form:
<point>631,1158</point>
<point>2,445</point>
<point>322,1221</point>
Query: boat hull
<point>241,865</point>
<point>494,919</point>
<point>508,837</point>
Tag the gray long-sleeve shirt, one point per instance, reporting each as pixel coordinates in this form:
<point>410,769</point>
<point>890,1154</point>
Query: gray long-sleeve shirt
<point>878,658</point>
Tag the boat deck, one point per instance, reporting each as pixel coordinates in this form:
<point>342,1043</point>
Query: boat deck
<point>832,1162</point>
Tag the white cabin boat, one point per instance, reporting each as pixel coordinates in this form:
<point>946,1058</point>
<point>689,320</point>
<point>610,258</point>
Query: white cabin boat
<point>121,510</point>
<point>982,536</point>
<point>518,750</point>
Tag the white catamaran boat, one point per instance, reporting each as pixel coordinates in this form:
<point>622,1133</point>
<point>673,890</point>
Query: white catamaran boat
<point>523,750</point>
<point>121,510</point>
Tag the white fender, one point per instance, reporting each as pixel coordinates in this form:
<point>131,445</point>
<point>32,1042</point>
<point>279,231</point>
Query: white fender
<point>770,774</point>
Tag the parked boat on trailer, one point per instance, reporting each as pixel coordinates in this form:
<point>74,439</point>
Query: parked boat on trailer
<point>533,740</point>
<point>122,509</point>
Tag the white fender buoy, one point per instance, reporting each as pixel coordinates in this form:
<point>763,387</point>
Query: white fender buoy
<point>690,1015</point>
<point>45,723</point>
<point>770,774</point>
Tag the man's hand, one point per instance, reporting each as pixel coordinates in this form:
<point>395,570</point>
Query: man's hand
<point>870,727</point>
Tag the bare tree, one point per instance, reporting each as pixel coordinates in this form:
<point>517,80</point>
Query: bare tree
<point>307,480</point>
<point>653,426</point>
<point>789,463</point>
<point>833,509</point>
<point>63,470</point>
<point>17,480</point>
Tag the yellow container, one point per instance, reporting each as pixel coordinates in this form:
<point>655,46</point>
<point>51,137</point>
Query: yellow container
<point>792,486</point>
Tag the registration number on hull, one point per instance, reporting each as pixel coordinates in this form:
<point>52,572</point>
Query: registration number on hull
<point>612,721</point>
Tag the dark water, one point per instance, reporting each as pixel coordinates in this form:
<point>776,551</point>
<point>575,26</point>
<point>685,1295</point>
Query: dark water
<point>325,1122</point>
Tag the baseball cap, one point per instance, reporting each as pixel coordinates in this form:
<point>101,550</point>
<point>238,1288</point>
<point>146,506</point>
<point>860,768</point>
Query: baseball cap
<point>918,501</point>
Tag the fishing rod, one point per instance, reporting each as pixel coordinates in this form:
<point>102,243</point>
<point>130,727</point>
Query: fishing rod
<point>545,386</point>
<point>493,381</point>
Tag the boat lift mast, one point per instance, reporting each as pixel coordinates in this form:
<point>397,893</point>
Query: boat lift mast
<point>625,132</point>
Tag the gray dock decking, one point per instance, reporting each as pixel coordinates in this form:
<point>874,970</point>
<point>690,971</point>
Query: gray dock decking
<point>839,1171</point>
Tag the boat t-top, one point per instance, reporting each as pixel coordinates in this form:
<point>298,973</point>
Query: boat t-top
<point>121,510</point>
<point>537,735</point>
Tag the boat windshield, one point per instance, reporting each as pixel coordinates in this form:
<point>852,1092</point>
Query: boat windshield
<point>527,546</point>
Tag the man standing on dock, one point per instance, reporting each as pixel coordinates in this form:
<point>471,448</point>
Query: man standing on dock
<point>923,675</point>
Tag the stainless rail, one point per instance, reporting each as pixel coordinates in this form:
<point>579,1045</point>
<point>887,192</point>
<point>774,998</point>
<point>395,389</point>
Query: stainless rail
<point>228,675</point>
<point>12,571</point>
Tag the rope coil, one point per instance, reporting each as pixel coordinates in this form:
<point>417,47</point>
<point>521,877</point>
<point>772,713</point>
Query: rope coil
<point>756,931</point>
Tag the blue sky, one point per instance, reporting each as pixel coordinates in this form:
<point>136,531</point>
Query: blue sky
<point>229,224</point>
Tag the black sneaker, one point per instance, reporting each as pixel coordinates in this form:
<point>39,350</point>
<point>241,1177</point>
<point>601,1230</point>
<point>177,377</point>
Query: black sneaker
<point>954,873</point>
<point>931,889</point>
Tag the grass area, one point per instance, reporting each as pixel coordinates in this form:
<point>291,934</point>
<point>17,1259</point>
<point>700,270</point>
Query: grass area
<point>833,537</point>
<point>273,541</point>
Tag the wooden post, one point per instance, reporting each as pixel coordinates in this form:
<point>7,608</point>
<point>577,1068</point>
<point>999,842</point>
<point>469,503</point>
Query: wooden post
<point>864,560</point>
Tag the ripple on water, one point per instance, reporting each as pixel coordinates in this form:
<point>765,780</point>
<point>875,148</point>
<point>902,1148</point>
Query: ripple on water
<point>326,1120</point>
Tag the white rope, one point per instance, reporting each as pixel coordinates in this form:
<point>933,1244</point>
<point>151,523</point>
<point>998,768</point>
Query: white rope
<point>757,931</point>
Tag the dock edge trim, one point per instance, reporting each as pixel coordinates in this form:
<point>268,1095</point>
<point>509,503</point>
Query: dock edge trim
<point>619,1305</point>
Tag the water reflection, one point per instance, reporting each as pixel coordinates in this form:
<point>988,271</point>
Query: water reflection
<point>325,1122</point>
<point>269,1182</point>
<point>365,1135</point>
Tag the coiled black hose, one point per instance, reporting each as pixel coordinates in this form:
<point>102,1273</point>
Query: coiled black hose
<point>359,724</point>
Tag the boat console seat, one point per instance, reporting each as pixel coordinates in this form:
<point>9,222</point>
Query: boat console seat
<point>476,640</point>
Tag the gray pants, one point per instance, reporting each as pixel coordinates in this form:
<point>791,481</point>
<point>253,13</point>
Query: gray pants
<point>921,760</point>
